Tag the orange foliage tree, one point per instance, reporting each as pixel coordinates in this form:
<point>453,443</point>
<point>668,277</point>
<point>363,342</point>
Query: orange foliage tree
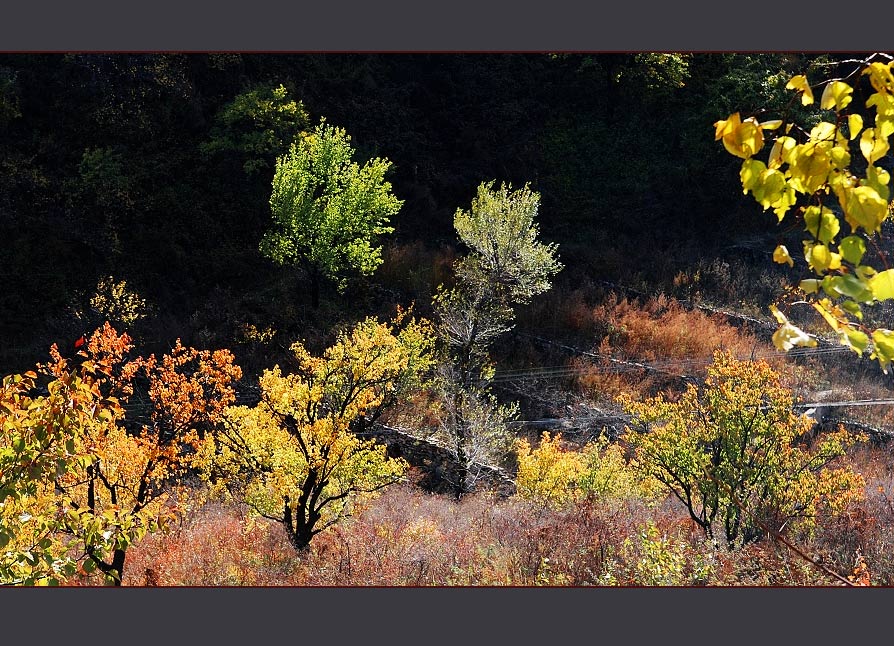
<point>126,482</point>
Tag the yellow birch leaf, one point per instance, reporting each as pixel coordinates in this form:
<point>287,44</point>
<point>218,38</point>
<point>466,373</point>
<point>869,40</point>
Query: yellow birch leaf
<point>882,285</point>
<point>781,152</point>
<point>836,95</point>
<point>727,126</point>
<point>830,320</point>
<point>880,77</point>
<point>873,145</point>
<point>782,256</point>
<point>800,84</point>
<point>864,208</point>
<point>854,125</point>
<point>745,140</point>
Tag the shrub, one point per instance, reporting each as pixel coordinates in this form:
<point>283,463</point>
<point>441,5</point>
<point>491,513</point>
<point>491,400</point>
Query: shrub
<point>729,452</point>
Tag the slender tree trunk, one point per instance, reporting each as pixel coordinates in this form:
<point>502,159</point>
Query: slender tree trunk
<point>315,288</point>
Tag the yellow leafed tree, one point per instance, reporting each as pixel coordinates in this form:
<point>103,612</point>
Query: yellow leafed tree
<point>296,458</point>
<point>730,452</point>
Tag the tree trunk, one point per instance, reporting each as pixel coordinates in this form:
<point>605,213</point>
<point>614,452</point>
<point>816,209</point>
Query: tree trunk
<point>118,566</point>
<point>315,289</point>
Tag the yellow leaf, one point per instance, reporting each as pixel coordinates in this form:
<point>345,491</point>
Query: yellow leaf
<point>831,320</point>
<point>841,158</point>
<point>823,131</point>
<point>880,77</point>
<point>800,84</point>
<point>882,285</point>
<point>745,140</point>
<point>883,350</point>
<point>854,125</point>
<point>781,151</point>
<point>782,256</point>
<point>772,124</point>
<point>726,126</point>
<point>864,208</point>
<point>820,258</point>
<point>873,145</point>
<point>788,335</point>
<point>837,95</point>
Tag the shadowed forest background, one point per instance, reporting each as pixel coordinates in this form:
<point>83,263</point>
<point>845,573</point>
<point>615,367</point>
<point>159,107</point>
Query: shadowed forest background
<point>119,165</point>
<point>135,189</point>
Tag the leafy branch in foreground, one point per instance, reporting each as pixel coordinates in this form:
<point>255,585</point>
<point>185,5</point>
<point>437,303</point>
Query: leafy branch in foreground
<point>836,177</point>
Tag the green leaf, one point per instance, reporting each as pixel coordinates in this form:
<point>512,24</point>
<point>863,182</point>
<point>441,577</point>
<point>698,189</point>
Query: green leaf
<point>853,308</point>
<point>809,285</point>
<point>852,249</point>
<point>856,339</point>
<point>882,285</point>
<point>751,174</point>
<point>821,223</point>
<point>850,286</point>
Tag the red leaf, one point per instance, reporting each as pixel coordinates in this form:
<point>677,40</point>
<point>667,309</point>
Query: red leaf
<point>80,342</point>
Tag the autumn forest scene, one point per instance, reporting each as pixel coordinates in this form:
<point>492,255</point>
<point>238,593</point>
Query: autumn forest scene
<point>553,319</point>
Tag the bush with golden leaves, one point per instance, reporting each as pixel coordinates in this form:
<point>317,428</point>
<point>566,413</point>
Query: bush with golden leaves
<point>731,452</point>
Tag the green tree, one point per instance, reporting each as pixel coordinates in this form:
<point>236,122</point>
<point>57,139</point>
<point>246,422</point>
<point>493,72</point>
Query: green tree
<point>295,458</point>
<point>831,178</point>
<point>328,210</point>
<point>258,125</point>
<point>506,266</point>
<point>730,453</point>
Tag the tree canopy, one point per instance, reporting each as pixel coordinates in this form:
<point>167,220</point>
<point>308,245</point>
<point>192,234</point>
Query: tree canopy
<point>328,211</point>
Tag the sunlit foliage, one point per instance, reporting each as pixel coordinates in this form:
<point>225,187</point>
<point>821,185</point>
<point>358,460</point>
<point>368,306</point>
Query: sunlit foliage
<point>295,458</point>
<point>832,179</point>
<point>328,211</point>
<point>39,444</point>
<point>125,483</point>
<point>730,453</point>
<point>506,266</point>
<point>553,475</point>
<point>259,125</point>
